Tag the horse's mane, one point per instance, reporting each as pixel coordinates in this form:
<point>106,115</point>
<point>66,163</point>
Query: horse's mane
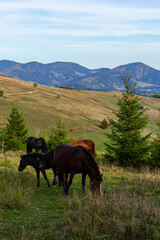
<point>90,159</point>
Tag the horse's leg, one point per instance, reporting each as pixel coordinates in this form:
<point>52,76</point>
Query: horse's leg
<point>38,179</point>
<point>66,179</point>
<point>29,149</point>
<point>37,149</point>
<point>45,176</point>
<point>83,182</point>
<point>70,182</point>
<point>55,171</point>
<point>61,180</point>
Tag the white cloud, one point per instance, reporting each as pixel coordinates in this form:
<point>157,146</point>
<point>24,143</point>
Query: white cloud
<point>80,24</point>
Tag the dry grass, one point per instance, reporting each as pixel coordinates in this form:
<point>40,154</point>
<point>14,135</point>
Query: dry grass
<point>81,111</point>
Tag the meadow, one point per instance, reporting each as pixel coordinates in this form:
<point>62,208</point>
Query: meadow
<point>81,111</point>
<point>129,208</point>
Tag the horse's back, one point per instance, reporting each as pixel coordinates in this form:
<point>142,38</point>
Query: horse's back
<point>29,139</point>
<point>66,158</point>
<point>87,143</point>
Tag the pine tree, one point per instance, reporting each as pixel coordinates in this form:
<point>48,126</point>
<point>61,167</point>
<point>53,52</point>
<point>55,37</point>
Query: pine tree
<point>15,133</point>
<point>127,146</point>
<point>58,136</point>
<point>155,153</point>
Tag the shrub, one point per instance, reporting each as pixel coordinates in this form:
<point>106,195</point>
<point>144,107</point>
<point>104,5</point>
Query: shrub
<point>1,93</point>
<point>35,84</point>
<point>104,124</point>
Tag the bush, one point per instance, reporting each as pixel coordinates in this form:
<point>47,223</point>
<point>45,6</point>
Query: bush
<point>156,96</point>
<point>35,84</point>
<point>1,93</point>
<point>104,124</point>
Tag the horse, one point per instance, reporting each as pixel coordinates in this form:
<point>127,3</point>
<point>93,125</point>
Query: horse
<point>40,162</point>
<point>87,143</point>
<point>36,143</point>
<point>72,160</point>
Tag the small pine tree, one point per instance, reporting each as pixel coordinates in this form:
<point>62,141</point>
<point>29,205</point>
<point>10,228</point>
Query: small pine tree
<point>58,136</point>
<point>155,153</point>
<point>15,132</point>
<point>127,147</point>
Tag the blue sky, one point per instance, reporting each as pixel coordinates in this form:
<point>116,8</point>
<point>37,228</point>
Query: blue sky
<point>93,33</point>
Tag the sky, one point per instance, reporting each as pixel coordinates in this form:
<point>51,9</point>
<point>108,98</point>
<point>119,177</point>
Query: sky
<point>92,33</point>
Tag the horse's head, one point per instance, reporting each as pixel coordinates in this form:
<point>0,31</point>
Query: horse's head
<point>22,164</point>
<point>96,185</point>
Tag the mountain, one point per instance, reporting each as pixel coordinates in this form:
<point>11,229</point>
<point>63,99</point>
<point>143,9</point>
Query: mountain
<point>76,76</point>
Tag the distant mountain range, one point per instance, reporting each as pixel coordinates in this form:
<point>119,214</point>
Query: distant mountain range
<point>68,74</point>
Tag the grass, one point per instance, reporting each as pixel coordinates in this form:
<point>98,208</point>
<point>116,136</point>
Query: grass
<point>81,111</point>
<point>129,208</point>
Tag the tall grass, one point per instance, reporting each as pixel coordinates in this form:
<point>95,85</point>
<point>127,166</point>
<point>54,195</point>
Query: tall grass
<point>15,188</point>
<point>128,210</point>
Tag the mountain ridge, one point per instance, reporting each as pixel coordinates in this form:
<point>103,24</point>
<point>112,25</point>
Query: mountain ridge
<point>69,74</point>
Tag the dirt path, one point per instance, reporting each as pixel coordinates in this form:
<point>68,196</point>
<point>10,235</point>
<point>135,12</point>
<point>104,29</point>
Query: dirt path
<point>23,93</point>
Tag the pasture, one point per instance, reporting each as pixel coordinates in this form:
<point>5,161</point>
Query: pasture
<point>129,208</point>
<point>81,111</point>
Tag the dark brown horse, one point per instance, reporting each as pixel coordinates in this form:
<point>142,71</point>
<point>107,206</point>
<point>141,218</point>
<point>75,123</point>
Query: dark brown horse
<point>87,143</point>
<point>72,160</point>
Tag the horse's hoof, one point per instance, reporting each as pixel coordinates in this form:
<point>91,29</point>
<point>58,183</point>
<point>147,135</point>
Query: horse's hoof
<point>65,195</point>
<point>54,184</point>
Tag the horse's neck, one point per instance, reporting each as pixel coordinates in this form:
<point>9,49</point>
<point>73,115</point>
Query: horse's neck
<point>31,161</point>
<point>91,171</point>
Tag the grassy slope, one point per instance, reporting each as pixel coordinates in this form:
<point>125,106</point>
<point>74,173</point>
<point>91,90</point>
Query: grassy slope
<point>81,111</point>
<point>128,210</point>
<point>130,206</point>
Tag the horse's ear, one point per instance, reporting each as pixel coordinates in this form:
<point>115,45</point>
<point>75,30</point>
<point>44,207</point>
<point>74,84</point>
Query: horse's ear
<point>101,174</point>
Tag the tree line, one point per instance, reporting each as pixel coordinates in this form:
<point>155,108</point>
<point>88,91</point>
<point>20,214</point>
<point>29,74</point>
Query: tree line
<point>125,145</point>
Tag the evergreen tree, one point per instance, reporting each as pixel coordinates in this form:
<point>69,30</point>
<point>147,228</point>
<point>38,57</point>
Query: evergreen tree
<point>15,133</point>
<point>127,146</point>
<point>155,154</point>
<point>58,136</point>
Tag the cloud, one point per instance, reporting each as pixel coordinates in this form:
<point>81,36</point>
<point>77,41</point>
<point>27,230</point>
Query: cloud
<point>79,24</point>
<point>76,19</point>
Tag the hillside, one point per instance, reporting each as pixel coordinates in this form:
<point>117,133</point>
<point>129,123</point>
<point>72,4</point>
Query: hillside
<point>79,77</point>
<point>81,111</point>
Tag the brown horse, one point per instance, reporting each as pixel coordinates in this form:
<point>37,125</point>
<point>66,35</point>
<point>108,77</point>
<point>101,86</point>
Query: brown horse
<point>87,143</point>
<point>72,160</point>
